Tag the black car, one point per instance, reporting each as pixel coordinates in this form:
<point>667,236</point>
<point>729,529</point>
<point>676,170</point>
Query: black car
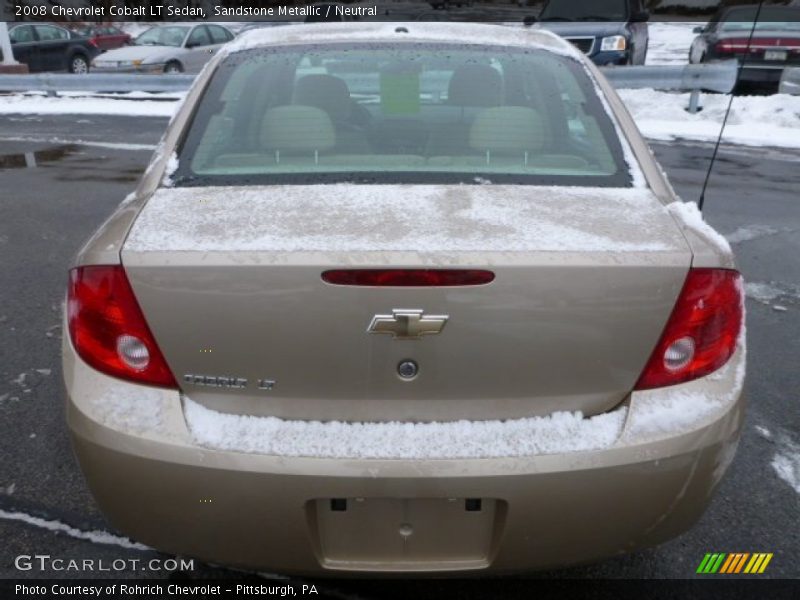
<point>775,44</point>
<point>610,32</point>
<point>45,47</point>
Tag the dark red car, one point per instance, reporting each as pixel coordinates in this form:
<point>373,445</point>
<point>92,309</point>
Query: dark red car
<point>105,37</point>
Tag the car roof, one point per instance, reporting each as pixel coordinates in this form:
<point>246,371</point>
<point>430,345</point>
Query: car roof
<point>401,32</point>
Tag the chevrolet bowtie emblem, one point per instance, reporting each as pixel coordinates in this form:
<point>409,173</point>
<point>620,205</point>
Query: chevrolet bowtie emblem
<point>405,324</point>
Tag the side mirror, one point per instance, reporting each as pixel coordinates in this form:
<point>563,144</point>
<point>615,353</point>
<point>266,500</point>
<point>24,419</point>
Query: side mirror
<point>698,30</point>
<point>529,20</point>
<point>640,17</point>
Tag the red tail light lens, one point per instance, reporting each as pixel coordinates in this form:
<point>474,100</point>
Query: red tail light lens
<point>93,42</point>
<point>108,329</point>
<point>731,45</point>
<point>702,331</point>
<point>408,277</point>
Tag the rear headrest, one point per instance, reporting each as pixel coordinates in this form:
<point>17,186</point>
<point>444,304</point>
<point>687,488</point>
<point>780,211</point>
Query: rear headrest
<point>507,129</point>
<point>297,128</point>
<point>326,92</point>
<point>475,85</point>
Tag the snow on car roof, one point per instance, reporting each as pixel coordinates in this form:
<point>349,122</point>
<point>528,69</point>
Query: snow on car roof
<point>463,33</point>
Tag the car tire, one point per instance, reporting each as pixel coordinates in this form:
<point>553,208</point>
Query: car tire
<point>78,64</point>
<point>173,66</point>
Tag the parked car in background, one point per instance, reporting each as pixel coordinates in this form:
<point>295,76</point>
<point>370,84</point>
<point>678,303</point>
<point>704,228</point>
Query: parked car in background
<point>105,37</point>
<point>167,49</point>
<point>775,44</point>
<point>47,47</point>
<point>403,299</point>
<point>610,32</point>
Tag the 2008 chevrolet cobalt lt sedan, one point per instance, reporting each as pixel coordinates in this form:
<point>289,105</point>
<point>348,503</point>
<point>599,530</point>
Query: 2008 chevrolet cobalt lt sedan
<point>403,298</point>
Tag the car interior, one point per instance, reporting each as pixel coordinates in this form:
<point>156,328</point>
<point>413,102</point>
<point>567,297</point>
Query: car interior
<point>403,113</point>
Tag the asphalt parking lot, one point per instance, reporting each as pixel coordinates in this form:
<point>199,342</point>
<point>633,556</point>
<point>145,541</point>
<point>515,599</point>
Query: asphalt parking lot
<point>61,176</point>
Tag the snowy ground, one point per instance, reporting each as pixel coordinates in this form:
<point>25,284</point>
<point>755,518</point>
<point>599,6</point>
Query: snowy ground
<point>754,120</point>
<point>669,43</point>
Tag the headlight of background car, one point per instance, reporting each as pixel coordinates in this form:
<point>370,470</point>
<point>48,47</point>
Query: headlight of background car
<point>614,42</point>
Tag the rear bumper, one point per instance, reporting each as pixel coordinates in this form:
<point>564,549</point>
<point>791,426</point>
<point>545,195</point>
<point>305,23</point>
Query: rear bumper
<point>761,74</point>
<point>271,512</point>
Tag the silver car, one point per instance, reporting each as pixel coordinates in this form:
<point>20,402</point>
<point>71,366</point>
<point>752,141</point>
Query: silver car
<point>166,49</point>
<point>403,298</point>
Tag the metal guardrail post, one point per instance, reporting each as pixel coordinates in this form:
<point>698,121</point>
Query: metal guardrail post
<point>694,102</point>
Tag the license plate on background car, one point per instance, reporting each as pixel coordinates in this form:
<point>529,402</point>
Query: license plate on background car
<point>775,55</point>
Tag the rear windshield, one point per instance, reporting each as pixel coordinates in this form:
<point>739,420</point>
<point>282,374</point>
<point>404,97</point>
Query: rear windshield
<point>400,114</point>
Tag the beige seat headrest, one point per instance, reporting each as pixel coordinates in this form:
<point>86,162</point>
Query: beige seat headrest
<point>296,128</point>
<point>326,92</point>
<point>508,129</point>
<point>475,85</point>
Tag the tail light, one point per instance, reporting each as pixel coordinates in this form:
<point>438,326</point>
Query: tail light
<point>408,277</point>
<point>756,45</point>
<point>93,42</point>
<point>108,329</point>
<point>702,330</point>
<point>732,45</point>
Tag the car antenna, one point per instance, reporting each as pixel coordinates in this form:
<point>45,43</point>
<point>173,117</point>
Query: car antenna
<point>702,198</point>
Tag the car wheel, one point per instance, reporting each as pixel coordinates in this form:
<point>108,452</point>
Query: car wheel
<point>173,67</point>
<point>79,65</point>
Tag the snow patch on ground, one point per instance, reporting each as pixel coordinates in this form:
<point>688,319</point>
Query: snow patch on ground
<point>95,536</point>
<point>44,105</point>
<point>764,432</point>
<point>669,42</point>
<point>767,292</point>
<point>753,121</point>
<point>786,464</point>
<point>557,433</point>
<point>762,292</point>
<point>80,142</point>
<point>750,232</point>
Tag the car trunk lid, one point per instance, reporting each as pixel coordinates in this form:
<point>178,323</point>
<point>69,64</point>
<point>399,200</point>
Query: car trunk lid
<point>230,282</point>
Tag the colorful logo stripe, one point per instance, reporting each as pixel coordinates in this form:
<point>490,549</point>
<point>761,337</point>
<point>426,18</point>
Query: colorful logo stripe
<point>736,562</point>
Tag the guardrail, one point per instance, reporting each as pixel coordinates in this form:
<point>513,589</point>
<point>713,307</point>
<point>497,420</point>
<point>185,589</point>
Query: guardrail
<point>710,77</point>
<point>95,82</point>
<point>713,77</point>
